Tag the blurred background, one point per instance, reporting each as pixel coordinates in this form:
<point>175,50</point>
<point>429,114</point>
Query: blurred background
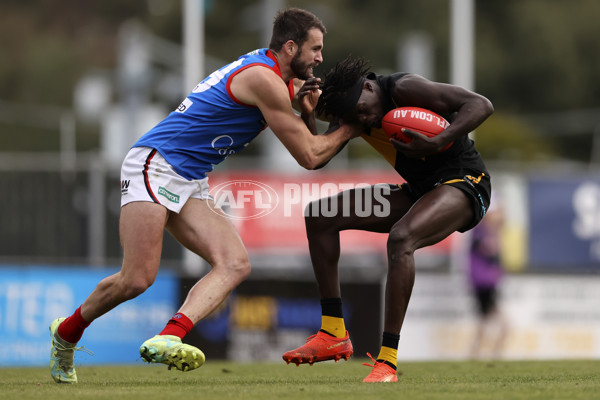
<point>80,81</point>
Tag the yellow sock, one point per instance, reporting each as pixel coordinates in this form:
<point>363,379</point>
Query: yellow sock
<point>388,354</point>
<point>334,326</point>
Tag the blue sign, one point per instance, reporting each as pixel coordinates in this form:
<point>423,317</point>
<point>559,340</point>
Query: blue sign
<point>564,224</point>
<point>263,318</point>
<point>32,297</point>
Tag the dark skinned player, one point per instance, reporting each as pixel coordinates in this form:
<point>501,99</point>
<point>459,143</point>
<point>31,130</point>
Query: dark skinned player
<point>445,191</point>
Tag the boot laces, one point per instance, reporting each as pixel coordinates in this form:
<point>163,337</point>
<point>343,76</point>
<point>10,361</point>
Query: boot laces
<point>372,359</point>
<point>65,360</point>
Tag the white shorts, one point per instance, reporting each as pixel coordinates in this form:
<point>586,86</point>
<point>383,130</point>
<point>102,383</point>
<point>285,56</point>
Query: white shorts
<point>147,176</point>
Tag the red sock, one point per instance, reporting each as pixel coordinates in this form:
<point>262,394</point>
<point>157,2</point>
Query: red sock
<point>179,326</point>
<point>71,329</point>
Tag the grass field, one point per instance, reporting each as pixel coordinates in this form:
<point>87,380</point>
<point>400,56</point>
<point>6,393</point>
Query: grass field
<point>572,380</point>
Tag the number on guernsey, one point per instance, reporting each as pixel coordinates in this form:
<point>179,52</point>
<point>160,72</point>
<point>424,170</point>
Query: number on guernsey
<point>215,77</point>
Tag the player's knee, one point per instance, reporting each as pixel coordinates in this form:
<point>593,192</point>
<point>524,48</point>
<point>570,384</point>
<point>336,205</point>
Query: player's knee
<point>236,268</point>
<point>314,218</point>
<point>400,241</point>
<point>242,268</point>
<point>135,286</point>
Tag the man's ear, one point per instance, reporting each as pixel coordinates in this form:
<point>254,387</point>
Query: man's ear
<point>368,85</point>
<point>290,47</point>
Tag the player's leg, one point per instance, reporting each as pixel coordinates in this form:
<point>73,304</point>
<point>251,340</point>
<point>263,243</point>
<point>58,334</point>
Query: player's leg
<point>388,203</point>
<point>375,209</point>
<point>432,218</point>
<point>491,325</point>
<point>141,228</point>
<point>206,231</point>
<point>501,333</point>
<point>482,296</point>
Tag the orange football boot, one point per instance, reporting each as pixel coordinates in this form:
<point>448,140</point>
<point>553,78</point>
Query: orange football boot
<point>381,372</point>
<point>320,347</point>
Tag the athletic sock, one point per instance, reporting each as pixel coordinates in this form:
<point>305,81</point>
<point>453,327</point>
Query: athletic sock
<point>180,325</point>
<point>332,319</point>
<point>389,349</point>
<point>71,329</point>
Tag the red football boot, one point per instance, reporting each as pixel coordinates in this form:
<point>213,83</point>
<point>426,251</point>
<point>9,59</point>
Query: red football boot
<point>381,372</point>
<point>320,347</point>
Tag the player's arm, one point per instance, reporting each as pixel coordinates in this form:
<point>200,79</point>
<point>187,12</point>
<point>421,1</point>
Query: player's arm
<point>333,125</point>
<point>261,87</point>
<point>471,108</point>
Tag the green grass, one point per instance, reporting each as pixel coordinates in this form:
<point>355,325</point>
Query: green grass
<point>459,380</point>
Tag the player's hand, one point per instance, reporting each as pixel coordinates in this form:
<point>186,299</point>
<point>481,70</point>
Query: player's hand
<point>419,145</point>
<point>354,129</point>
<point>308,95</point>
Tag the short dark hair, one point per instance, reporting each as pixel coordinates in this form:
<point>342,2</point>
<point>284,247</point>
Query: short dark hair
<point>342,86</point>
<point>293,24</point>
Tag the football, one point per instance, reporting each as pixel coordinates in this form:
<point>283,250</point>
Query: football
<point>414,118</point>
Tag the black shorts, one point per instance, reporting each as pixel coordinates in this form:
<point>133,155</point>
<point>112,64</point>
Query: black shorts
<point>478,189</point>
<point>486,300</point>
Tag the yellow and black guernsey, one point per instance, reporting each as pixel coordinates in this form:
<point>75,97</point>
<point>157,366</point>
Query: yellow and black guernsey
<point>460,165</point>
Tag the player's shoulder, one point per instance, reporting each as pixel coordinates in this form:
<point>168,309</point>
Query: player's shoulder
<point>258,74</point>
<point>256,84</point>
<point>408,80</point>
<point>263,57</point>
<point>408,86</point>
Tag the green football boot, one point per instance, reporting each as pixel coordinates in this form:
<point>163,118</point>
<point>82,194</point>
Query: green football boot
<point>169,350</point>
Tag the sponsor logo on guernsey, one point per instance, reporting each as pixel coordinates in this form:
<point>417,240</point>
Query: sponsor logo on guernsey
<point>170,196</point>
<point>185,104</point>
<point>222,144</point>
<point>124,187</point>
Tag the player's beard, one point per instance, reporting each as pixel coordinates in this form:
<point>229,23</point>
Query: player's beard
<point>301,69</point>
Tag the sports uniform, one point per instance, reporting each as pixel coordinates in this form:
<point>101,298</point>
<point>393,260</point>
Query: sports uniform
<point>460,166</point>
<point>206,128</point>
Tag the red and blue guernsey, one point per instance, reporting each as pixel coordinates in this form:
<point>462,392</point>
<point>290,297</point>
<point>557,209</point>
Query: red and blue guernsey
<point>211,124</point>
